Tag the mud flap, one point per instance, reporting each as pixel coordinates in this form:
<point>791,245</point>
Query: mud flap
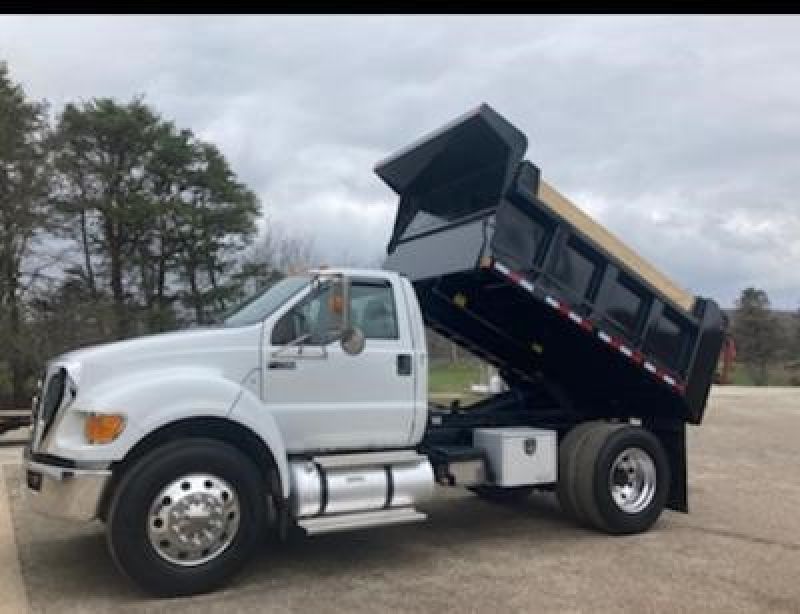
<point>672,436</point>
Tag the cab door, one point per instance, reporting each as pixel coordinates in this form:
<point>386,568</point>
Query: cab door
<point>324,398</point>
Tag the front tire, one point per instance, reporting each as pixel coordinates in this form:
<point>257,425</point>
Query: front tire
<point>186,517</point>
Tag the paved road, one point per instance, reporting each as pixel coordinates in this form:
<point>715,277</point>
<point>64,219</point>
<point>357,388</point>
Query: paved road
<point>738,551</point>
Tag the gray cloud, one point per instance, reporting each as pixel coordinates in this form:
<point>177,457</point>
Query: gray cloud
<point>681,134</point>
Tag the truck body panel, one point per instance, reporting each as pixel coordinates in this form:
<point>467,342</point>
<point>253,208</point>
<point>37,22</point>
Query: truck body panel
<point>509,269</point>
<point>561,206</point>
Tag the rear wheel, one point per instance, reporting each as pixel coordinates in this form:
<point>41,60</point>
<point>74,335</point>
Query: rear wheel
<point>187,516</point>
<point>623,479</point>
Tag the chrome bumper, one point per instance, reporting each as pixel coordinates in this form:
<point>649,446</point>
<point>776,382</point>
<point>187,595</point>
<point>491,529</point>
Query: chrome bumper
<point>64,492</point>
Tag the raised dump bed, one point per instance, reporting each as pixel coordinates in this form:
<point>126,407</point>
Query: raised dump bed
<point>510,269</point>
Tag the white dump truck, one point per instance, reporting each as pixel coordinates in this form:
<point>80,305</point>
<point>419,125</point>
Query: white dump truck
<point>307,408</point>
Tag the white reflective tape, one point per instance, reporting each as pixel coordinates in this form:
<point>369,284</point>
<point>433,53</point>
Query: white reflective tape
<point>502,268</point>
<point>575,317</point>
<point>526,284</point>
<point>650,367</point>
<point>669,380</point>
<point>625,350</point>
<point>604,336</point>
<point>552,302</point>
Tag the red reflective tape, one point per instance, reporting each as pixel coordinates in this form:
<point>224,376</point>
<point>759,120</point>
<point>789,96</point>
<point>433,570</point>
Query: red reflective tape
<point>634,356</point>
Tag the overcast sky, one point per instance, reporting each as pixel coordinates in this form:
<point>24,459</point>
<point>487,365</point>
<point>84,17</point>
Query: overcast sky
<point>680,134</point>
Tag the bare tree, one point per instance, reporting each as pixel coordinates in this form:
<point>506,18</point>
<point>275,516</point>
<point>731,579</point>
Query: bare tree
<point>275,253</point>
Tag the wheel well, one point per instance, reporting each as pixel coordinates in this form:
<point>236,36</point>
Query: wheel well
<point>209,427</point>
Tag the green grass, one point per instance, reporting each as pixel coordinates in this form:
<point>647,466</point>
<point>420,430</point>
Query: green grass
<point>447,382</point>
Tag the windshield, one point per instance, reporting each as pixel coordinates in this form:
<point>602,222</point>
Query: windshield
<point>259,306</point>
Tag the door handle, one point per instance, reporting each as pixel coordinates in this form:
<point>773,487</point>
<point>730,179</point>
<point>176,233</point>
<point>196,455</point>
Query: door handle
<point>404,364</point>
<point>282,364</point>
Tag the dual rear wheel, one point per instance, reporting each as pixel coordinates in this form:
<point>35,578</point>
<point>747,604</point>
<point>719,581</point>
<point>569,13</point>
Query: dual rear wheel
<point>613,477</point>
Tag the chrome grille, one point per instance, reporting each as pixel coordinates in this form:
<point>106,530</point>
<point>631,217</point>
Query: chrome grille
<point>51,399</point>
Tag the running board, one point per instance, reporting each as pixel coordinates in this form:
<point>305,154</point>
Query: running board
<point>359,520</point>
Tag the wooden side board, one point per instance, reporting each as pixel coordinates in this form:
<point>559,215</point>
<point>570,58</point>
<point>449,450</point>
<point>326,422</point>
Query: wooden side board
<point>567,210</point>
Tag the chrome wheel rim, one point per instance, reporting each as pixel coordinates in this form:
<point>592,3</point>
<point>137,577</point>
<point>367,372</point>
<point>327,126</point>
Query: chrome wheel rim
<point>632,480</point>
<point>193,519</point>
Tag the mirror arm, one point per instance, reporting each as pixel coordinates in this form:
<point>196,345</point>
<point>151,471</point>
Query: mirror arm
<point>346,301</point>
<point>291,344</point>
<point>299,341</point>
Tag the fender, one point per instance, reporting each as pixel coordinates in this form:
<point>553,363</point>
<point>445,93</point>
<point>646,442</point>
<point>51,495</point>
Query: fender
<point>250,412</point>
<point>150,400</point>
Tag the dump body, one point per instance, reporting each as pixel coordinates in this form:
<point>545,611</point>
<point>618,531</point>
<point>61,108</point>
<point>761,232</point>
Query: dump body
<point>510,269</point>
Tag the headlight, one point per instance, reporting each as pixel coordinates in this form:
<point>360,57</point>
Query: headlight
<point>103,428</point>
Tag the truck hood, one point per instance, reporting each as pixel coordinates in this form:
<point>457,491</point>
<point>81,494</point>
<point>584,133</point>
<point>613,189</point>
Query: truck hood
<point>229,352</point>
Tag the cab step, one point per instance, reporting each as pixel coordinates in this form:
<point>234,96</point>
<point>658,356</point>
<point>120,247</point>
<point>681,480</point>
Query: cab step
<point>359,520</point>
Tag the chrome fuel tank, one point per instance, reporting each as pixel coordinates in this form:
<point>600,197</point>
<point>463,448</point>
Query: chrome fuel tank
<point>349,483</point>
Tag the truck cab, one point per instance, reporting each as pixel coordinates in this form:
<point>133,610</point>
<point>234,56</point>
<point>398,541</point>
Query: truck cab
<point>325,397</point>
<point>306,408</point>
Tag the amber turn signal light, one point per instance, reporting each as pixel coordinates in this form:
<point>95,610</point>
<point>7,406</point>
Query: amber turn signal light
<point>103,428</point>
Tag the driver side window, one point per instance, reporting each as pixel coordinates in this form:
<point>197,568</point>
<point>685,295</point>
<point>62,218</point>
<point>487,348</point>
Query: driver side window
<point>312,322</point>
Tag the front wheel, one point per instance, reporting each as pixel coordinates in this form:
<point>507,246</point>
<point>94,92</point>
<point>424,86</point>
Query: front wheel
<point>186,517</point>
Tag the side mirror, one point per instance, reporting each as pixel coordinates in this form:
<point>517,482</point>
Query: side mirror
<point>351,337</point>
<point>339,301</point>
<point>352,340</point>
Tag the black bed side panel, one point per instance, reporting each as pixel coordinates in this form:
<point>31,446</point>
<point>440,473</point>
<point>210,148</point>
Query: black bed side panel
<point>500,273</point>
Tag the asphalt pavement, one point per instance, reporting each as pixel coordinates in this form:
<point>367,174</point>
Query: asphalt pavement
<point>737,551</point>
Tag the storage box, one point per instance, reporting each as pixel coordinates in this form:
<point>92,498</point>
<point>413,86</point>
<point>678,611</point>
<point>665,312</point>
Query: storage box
<point>519,455</point>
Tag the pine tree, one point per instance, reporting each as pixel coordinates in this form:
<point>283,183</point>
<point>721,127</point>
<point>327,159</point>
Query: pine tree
<point>755,331</point>
<point>23,213</point>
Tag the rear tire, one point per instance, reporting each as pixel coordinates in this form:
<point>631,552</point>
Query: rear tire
<point>568,450</point>
<point>623,478</point>
<point>220,498</point>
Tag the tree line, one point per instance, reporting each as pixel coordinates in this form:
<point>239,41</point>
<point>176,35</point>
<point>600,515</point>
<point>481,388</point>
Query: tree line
<point>116,222</point>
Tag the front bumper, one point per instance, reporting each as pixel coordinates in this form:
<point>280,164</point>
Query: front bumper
<point>64,492</point>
